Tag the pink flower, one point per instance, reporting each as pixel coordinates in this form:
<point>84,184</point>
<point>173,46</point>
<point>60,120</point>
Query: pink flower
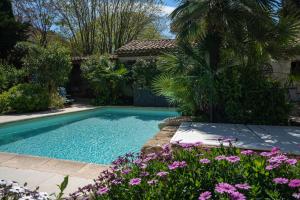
<point>243,186</point>
<point>294,183</point>
<point>152,182</point>
<point>224,188</point>
<point>291,161</point>
<point>144,174</point>
<point>296,195</point>
<point>278,159</point>
<point>280,180</point>
<point>266,154</point>
<point>222,157</point>
<point>237,196</point>
<point>177,164</point>
<point>126,171</point>
<point>205,161</point>
<point>102,190</point>
<point>247,152</point>
<point>135,181</point>
<point>205,195</point>
<point>273,166</point>
<point>233,159</point>
<point>162,174</point>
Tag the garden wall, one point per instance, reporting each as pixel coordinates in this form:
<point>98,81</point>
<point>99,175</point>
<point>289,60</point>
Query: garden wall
<point>144,97</point>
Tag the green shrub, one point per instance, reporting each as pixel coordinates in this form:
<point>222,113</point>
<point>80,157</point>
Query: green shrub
<point>105,79</point>
<point>28,98</point>
<point>143,73</point>
<point>247,96</point>
<point>194,172</point>
<point>48,66</point>
<point>10,76</point>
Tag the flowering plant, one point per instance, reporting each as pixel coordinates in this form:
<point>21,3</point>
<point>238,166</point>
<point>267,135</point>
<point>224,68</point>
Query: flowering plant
<point>11,190</point>
<point>194,172</point>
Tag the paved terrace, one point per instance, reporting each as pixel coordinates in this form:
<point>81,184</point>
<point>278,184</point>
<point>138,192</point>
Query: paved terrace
<point>18,117</point>
<point>256,137</point>
<point>47,173</point>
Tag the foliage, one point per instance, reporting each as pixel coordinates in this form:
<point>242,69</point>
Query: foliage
<point>10,76</point>
<point>11,31</point>
<point>40,14</point>
<point>105,25</point>
<point>247,96</point>
<point>62,188</point>
<point>143,72</point>
<point>105,78</point>
<point>48,66</point>
<point>195,172</point>
<point>186,81</point>
<point>28,98</point>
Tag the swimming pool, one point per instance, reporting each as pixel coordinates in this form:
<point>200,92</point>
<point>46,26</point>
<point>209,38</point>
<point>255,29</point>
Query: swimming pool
<point>95,136</point>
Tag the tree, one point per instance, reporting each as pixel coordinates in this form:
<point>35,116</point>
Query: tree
<point>252,32</point>
<point>105,78</point>
<point>49,67</point>
<point>11,31</point>
<point>40,14</point>
<point>103,26</point>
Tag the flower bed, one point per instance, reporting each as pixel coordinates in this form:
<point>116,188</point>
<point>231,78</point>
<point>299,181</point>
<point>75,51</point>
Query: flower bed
<point>195,172</point>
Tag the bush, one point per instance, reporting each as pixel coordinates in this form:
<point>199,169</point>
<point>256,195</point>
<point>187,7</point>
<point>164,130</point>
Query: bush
<point>48,66</point>
<point>143,73</point>
<point>193,172</point>
<point>27,98</point>
<point>105,78</point>
<point>248,96</point>
<point>10,76</point>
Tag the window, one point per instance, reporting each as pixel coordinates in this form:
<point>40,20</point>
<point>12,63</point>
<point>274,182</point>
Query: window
<point>295,68</point>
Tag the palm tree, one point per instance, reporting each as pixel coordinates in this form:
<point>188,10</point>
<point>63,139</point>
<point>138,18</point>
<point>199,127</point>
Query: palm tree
<point>223,23</point>
<point>230,33</point>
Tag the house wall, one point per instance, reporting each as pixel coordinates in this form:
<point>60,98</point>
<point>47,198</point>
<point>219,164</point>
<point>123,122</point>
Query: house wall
<point>281,72</point>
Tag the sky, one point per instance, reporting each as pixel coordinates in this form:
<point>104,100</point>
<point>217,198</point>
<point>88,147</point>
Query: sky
<point>169,6</point>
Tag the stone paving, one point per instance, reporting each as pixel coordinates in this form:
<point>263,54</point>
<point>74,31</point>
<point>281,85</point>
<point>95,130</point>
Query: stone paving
<point>47,173</point>
<point>18,117</point>
<point>257,137</point>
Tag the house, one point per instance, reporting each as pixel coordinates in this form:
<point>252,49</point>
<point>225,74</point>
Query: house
<point>150,49</point>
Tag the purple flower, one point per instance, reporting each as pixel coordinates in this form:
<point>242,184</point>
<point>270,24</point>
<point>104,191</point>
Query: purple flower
<point>135,181</point>
<point>233,159</point>
<point>224,188</point>
<point>247,152</point>
<point>273,166</point>
<point>177,164</point>
<point>162,174</point>
<point>243,186</point>
<point>116,182</point>
<point>138,161</point>
<point>296,195</point>
<point>205,161</point>
<point>237,196</point>
<point>205,195</point>
<point>278,159</point>
<point>186,145</point>
<point>291,161</point>
<point>222,157</point>
<point>280,180</point>
<point>144,174</point>
<point>152,182</point>
<point>266,154</point>
<point>102,190</point>
<point>294,183</point>
<point>126,171</point>
<point>275,150</point>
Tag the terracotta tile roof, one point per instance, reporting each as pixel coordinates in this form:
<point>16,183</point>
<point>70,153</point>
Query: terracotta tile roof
<point>150,47</point>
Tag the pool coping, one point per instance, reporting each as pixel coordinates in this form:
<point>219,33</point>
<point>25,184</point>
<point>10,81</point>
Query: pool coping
<point>53,165</point>
<point>43,114</point>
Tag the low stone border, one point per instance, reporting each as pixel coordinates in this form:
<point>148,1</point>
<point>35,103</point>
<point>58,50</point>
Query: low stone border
<point>167,129</point>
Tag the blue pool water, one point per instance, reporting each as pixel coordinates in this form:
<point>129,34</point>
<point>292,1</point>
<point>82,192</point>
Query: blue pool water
<point>97,136</point>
